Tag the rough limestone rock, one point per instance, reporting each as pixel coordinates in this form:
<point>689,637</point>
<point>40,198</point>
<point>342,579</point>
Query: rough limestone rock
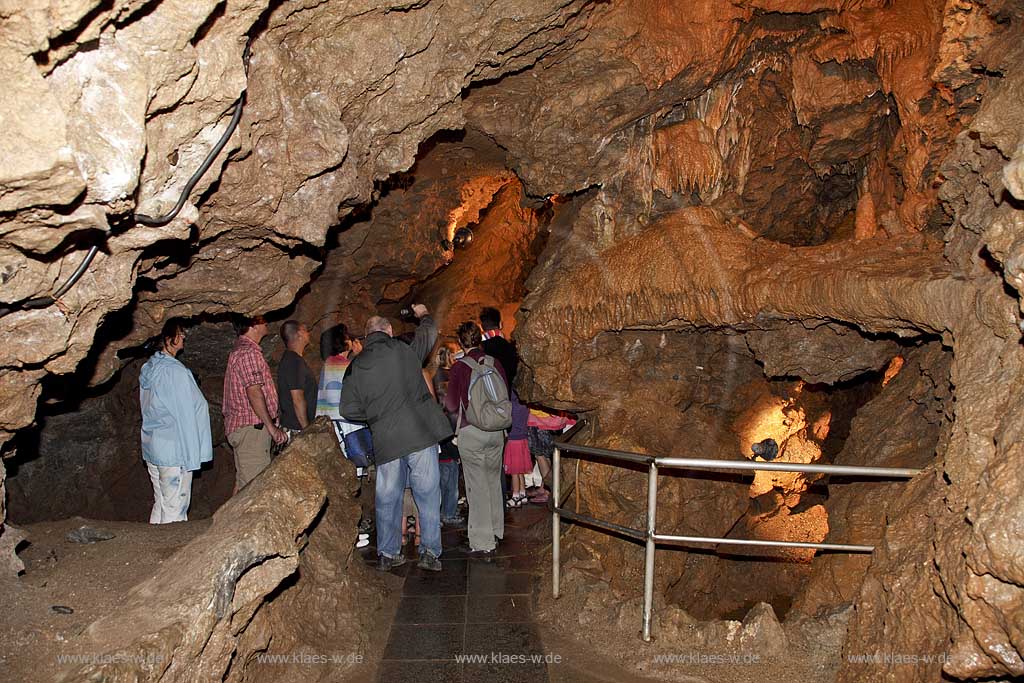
<point>674,275</point>
<point>742,168</point>
<point>38,167</point>
<point>160,86</point>
<point>491,270</point>
<point>913,412</point>
<point>795,128</point>
<point>379,262</point>
<point>10,536</point>
<point>10,541</point>
<point>762,632</point>
<point>818,353</point>
<point>275,573</point>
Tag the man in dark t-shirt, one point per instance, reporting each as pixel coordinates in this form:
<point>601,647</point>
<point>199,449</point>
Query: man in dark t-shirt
<point>496,345</point>
<point>296,385</point>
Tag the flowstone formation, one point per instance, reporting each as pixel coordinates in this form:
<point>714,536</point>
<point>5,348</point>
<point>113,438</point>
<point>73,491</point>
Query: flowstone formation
<point>708,267</point>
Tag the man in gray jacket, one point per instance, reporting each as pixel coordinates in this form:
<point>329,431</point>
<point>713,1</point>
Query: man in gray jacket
<point>384,387</point>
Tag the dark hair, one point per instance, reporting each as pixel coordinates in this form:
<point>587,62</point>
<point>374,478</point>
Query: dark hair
<point>333,341</point>
<point>170,331</point>
<point>243,323</point>
<point>469,335</point>
<point>490,318</point>
<point>289,330</point>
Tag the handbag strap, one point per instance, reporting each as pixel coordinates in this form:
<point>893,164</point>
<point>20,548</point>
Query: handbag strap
<point>471,364</point>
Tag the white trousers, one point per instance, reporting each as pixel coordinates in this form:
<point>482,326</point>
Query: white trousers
<point>534,478</point>
<point>172,493</point>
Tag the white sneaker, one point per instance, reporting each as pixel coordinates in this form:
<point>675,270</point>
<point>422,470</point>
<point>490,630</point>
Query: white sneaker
<point>362,536</point>
<point>362,542</point>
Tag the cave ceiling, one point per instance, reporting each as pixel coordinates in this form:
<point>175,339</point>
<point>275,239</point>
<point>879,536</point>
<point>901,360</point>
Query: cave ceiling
<point>802,122</point>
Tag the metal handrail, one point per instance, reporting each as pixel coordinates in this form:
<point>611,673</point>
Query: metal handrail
<point>848,470</point>
<point>650,536</point>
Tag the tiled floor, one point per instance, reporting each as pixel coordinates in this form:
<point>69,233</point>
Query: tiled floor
<point>472,607</point>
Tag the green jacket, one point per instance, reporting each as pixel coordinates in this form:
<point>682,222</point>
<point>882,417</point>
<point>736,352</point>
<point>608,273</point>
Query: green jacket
<point>384,387</point>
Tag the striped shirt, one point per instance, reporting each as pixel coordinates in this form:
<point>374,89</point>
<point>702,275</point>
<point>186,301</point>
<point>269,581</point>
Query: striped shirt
<point>328,396</point>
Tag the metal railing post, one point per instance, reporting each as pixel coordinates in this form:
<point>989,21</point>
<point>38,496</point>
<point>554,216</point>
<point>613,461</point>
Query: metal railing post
<point>652,515</point>
<point>556,540</point>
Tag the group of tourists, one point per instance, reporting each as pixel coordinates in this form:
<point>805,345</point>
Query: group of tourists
<point>405,417</point>
<point>427,418</point>
<point>258,413</point>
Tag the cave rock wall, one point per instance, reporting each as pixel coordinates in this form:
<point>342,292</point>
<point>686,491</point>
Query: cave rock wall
<point>131,98</point>
<point>950,534</point>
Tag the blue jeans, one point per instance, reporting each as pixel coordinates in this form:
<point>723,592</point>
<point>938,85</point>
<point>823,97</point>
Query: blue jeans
<point>449,490</point>
<point>418,470</point>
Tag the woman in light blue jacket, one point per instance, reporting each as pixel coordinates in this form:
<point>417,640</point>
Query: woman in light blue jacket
<point>175,426</point>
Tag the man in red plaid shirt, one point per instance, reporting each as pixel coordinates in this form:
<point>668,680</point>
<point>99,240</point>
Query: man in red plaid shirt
<point>250,402</point>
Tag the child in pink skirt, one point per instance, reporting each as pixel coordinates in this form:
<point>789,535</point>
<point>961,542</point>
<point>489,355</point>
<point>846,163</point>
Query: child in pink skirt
<point>517,453</point>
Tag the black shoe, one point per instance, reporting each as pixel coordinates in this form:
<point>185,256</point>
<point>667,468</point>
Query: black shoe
<point>386,564</point>
<point>429,562</point>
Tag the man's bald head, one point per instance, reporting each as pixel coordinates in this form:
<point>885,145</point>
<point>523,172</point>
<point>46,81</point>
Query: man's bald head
<point>377,323</point>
